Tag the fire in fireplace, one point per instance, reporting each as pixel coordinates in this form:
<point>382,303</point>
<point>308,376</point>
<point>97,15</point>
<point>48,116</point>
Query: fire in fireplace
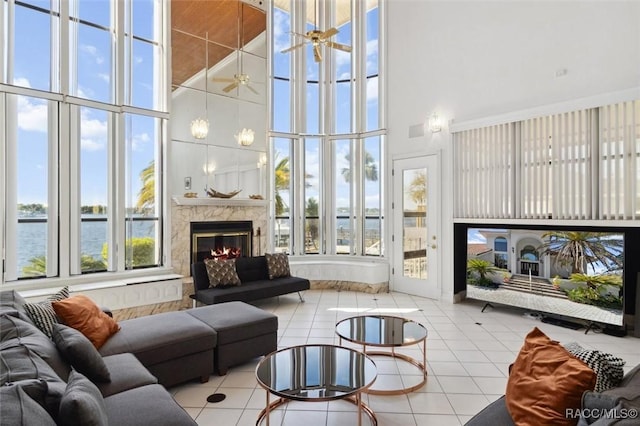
<point>221,240</point>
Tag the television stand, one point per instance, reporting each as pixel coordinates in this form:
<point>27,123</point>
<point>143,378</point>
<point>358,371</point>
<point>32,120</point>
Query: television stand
<point>485,306</point>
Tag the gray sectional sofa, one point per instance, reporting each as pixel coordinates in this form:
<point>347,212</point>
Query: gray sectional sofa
<point>617,406</point>
<point>146,355</point>
<point>255,283</point>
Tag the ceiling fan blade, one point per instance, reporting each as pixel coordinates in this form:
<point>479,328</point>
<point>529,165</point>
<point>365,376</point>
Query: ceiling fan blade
<point>252,89</point>
<point>316,53</point>
<point>223,80</point>
<point>330,32</point>
<point>289,49</point>
<point>230,87</point>
<point>339,46</point>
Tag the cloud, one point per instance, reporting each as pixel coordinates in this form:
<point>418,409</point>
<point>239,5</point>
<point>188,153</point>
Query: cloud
<point>32,114</point>
<point>94,132</point>
<point>21,81</point>
<point>281,38</point>
<point>139,140</point>
<point>93,52</point>
<point>372,89</point>
<point>104,76</point>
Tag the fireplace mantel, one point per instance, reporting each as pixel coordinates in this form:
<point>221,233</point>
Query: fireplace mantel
<point>208,201</point>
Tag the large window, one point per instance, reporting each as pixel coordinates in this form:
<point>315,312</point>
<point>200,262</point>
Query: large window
<point>327,126</point>
<point>83,113</point>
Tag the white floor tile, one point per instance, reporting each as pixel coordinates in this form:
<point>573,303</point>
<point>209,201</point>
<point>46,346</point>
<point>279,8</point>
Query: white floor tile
<point>468,355</point>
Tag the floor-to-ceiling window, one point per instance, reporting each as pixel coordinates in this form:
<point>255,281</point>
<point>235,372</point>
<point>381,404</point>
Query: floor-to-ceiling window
<point>83,114</point>
<point>327,127</point>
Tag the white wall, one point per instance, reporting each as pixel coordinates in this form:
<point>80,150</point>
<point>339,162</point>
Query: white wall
<point>475,59</point>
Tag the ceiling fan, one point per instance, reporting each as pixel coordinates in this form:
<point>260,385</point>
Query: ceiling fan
<point>238,80</point>
<point>317,38</point>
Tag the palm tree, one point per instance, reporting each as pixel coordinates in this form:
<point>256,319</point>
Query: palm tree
<point>578,249</point>
<point>147,194</point>
<point>282,176</point>
<point>481,267</point>
<point>418,189</point>
<point>370,168</point>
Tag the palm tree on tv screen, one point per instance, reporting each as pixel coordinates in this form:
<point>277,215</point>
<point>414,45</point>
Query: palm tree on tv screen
<point>579,249</point>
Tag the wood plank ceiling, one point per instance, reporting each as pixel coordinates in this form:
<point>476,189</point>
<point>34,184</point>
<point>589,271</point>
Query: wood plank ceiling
<point>228,25</point>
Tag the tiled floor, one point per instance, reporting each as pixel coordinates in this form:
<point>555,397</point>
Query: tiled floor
<point>468,354</point>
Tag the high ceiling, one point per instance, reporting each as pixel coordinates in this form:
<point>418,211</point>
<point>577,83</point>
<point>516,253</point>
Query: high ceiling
<point>227,24</point>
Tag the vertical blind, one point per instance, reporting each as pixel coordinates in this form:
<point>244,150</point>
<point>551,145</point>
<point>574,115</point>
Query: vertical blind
<point>482,170</point>
<point>576,165</point>
<point>619,166</point>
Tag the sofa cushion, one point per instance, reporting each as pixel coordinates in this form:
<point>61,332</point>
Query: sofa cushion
<point>124,408</point>
<point>12,303</point>
<point>42,313</point>
<point>252,269</point>
<point>236,321</point>
<point>82,403</point>
<point>608,368</point>
<point>222,272</point>
<point>545,381</point>
<point>17,332</point>
<point>84,315</point>
<point>277,265</point>
<point>22,404</point>
<point>126,373</point>
<point>158,338</point>
<point>21,363</point>
<point>80,353</point>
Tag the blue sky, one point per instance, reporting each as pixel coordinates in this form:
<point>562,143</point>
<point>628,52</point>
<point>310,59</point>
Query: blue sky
<point>94,63</point>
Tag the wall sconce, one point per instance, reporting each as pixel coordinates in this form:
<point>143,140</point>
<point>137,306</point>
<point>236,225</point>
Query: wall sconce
<point>200,128</point>
<point>245,137</point>
<point>435,123</point>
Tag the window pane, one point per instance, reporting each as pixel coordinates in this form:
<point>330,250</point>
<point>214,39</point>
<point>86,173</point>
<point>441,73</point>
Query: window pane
<point>32,172</point>
<point>372,200</point>
<point>97,12</point>
<point>312,195</point>
<point>282,167</point>
<point>143,203</point>
<point>343,107</point>
<point>313,110</point>
<point>143,12</point>
<point>373,110</point>
<point>145,74</point>
<point>282,39</point>
<point>32,50</point>
<point>281,105</point>
<point>344,226</point>
<point>93,189</point>
<point>94,64</point>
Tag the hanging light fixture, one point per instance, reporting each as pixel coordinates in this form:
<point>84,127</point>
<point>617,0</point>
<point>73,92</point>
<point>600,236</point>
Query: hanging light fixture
<point>200,126</point>
<point>245,137</point>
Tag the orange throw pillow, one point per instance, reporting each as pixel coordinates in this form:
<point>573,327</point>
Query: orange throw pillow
<point>85,316</point>
<point>545,381</point>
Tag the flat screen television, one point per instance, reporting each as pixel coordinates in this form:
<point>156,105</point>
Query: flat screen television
<point>568,271</point>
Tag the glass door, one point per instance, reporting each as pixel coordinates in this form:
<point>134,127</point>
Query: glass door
<point>416,226</point>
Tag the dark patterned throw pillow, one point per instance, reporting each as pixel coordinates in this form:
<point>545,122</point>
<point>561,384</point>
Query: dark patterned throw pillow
<point>608,368</point>
<point>277,265</point>
<point>42,314</point>
<point>222,272</point>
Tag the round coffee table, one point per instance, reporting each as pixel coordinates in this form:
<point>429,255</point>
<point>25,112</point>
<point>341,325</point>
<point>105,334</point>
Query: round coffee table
<point>390,332</point>
<point>316,373</point>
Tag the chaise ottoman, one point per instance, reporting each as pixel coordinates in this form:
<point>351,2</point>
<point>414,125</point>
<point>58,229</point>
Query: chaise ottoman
<point>243,332</point>
<point>173,346</point>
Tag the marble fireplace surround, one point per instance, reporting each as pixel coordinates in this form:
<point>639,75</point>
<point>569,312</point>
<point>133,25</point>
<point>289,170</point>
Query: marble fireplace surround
<point>187,210</point>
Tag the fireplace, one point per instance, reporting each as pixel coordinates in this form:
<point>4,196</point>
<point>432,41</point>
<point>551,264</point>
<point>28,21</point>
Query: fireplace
<point>221,240</point>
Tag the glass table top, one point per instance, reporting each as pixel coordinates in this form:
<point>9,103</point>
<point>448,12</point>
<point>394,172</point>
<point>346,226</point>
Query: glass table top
<point>381,330</point>
<point>316,372</point>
